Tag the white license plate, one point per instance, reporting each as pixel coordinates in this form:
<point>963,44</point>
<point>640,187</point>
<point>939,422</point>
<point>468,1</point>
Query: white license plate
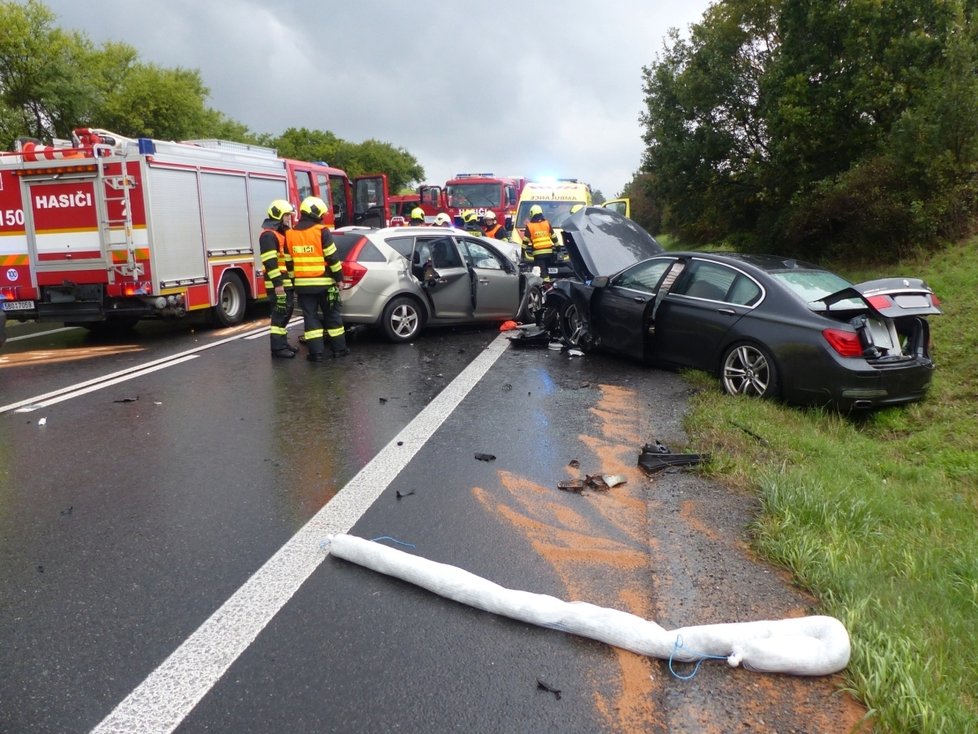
<point>552,271</point>
<point>18,305</point>
<point>912,301</point>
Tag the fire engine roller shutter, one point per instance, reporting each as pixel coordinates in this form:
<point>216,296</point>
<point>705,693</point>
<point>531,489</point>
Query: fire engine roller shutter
<point>225,204</point>
<point>176,235</point>
<point>261,193</point>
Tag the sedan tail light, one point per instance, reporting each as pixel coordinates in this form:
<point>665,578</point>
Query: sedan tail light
<point>846,343</point>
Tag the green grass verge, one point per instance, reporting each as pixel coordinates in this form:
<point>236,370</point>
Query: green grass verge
<point>878,516</point>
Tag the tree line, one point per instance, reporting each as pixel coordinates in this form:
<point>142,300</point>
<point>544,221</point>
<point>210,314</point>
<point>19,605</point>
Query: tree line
<point>53,81</point>
<point>814,127</point>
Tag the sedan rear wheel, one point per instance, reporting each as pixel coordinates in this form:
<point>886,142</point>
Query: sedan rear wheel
<point>402,319</point>
<point>749,370</point>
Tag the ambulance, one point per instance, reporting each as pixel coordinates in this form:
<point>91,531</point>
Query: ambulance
<point>557,198</point>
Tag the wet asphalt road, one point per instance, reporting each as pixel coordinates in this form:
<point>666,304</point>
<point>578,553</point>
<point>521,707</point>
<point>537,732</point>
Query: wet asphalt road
<point>137,509</point>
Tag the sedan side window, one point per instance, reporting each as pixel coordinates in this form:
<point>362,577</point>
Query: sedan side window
<point>644,276</point>
<point>706,280</point>
<point>745,292</point>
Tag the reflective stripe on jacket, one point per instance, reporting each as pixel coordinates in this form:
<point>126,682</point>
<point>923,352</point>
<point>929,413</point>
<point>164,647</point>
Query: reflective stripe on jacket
<point>540,237</point>
<point>313,263</point>
<point>276,261</point>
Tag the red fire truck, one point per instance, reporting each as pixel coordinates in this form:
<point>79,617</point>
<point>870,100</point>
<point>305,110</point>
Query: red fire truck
<point>401,207</point>
<point>107,230</point>
<point>478,191</point>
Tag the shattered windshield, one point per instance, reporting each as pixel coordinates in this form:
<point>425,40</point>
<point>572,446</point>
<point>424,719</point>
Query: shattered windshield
<point>473,195</point>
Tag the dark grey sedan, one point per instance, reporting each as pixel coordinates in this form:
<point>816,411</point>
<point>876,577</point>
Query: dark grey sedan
<point>766,326</point>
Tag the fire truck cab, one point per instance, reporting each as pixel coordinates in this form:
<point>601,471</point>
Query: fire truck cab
<point>483,192</point>
<point>108,230</point>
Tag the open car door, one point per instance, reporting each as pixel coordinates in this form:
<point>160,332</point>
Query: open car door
<point>371,201</point>
<point>622,206</point>
<point>444,276</point>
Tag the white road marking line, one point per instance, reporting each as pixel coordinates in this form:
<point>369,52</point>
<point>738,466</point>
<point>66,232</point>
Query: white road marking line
<point>115,377</point>
<point>169,693</point>
<point>104,383</point>
<point>42,333</point>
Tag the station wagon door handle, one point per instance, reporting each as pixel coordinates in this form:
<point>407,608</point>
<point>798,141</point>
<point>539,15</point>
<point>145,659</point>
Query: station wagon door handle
<point>640,299</point>
<point>728,311</point>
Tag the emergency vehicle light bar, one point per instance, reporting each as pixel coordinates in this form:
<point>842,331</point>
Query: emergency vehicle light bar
<point>65,172</point>
<point>474,175</point>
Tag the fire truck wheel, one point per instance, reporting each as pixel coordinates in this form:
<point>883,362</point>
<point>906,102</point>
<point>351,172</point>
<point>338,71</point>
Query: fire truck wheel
<point>402,319</point>
<point>231,301</point>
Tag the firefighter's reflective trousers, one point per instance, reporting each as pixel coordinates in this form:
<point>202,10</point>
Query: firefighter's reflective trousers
<point>282,309</point>
<point>323,319</point>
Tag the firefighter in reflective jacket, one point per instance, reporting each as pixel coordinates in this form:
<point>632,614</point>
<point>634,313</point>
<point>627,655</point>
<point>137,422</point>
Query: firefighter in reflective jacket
<point>540,237</point>
<point>318,274</point>
<point>277,264</point>
<point>491,228</point>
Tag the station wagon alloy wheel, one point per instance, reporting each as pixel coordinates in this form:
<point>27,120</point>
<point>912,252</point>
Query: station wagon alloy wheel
<point>748,370</point>
<point>402,319</point>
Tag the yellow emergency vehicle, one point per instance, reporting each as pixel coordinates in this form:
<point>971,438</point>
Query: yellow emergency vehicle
<point>559,199</point>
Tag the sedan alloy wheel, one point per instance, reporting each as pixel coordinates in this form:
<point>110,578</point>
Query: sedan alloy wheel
<point>748,370</point>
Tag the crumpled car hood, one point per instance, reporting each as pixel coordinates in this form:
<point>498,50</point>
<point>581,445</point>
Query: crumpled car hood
<point>600,241</point>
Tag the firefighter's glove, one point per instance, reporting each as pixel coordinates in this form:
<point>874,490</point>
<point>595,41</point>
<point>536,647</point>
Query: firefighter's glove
<point>333,295</point>
<point>281,303</point>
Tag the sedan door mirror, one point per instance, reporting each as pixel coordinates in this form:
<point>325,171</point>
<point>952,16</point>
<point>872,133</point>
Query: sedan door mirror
<point>600,281</point>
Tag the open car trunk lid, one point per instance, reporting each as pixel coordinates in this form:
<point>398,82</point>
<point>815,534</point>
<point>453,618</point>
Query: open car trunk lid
<point>896,297</point>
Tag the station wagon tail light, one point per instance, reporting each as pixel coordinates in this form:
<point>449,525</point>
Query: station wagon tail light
<point>846,343</point>
<point>353,271</point>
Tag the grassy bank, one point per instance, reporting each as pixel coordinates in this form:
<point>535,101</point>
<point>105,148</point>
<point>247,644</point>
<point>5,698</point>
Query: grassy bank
<point>878,516</point>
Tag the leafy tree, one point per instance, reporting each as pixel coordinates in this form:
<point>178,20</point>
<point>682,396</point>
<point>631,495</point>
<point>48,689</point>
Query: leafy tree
<point>39,71</point>
<point>705,133</point>
<point>816,126</point>
<point>370,156</point>
<point>52,82</point>
<point>159,103</point>
<point>643,204</point>
<point>305,145</point>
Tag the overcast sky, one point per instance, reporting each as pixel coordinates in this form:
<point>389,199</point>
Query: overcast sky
<point>527,88</point>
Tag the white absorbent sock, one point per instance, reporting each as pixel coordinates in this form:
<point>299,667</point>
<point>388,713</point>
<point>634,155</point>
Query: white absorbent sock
<point>816,645</point>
